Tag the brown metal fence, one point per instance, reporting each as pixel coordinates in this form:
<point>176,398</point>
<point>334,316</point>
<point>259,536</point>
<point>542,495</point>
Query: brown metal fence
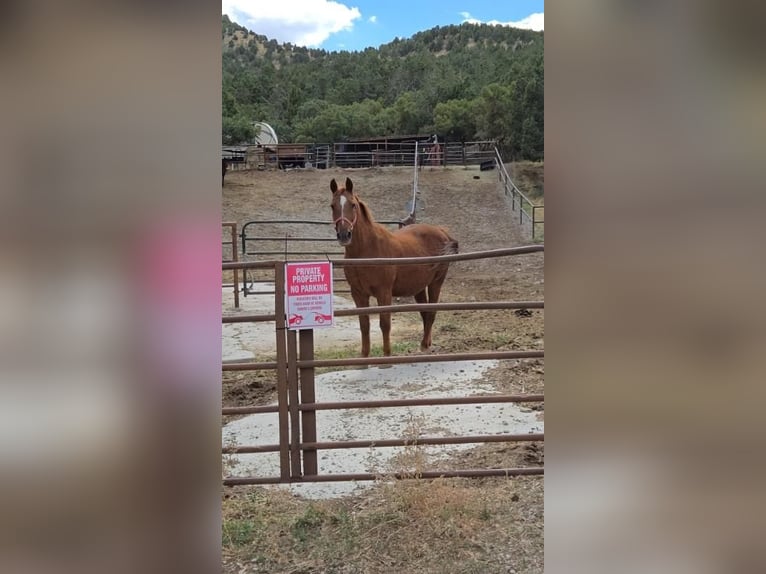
<point>298,444</point>
<point>295,240</point>
<point>364,153</point>
<point>528,210</point>
<point>231,243</point>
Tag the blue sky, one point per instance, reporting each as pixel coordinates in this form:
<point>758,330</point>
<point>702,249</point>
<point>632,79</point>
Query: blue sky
<point>358,24</point>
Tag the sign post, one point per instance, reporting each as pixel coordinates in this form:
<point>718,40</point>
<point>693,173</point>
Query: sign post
<point>308,291</point>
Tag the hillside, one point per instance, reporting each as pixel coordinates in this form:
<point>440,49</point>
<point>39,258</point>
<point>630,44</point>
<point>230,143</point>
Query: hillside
<point>463,82</point>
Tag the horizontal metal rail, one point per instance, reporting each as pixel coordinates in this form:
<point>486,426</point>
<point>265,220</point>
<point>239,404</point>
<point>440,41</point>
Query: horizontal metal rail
<point>240,366</point>
<point>249,318</point>
<point>464,306</point>
<point>395,360</point>
<point>327,239</point>
<point>503,252</point>
<point>387,443</point>
<point>265,264</point>
<point>284,221</point>
<point>427,475</point>
<point>390,443</point>
<point>229,411</point>
<point>407,359</point>
<point>258,449</point>
<point>423,402</point>
<point>433,441</point>
<point>335,291</point>
<point>294,253</point>
<point>304,222</point>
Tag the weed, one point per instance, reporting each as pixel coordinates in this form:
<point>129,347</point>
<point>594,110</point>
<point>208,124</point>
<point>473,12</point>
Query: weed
<point>238,532</point>
<point>307,525</point>
<point>230,461</point>
<point>397,348</point>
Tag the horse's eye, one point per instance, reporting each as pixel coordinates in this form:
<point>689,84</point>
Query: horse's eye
<point>353,205</point>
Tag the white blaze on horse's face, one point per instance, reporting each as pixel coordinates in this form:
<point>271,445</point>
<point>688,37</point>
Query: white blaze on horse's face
<point>345,219</point>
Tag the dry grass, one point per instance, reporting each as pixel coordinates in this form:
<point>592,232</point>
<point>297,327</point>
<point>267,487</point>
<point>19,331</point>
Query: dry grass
<point>429,526</point>
<point>529,176</point>
<point>439,526</point>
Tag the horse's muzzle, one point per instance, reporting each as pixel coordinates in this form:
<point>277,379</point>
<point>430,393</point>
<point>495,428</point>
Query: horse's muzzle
<point>344,236</point>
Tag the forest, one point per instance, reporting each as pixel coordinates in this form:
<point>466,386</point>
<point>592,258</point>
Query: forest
<point>463,82</point>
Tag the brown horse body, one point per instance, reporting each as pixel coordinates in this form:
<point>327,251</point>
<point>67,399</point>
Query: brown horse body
<point>363,238</point>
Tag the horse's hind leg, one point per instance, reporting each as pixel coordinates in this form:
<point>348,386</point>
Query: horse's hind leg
<point>434,290</point>
<point>427,319</point>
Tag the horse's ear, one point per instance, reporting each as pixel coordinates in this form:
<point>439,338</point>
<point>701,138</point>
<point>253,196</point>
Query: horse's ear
<point>349,185</point>
<point>333,186</point>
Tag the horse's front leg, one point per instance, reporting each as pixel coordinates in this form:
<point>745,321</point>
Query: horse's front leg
<point>362,301</point>
<point>385,322</point>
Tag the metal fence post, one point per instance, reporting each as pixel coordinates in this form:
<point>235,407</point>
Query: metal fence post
<point>281,327</point>
<point>235,257</point>
<point>309,426</point>
<point>292,397</point>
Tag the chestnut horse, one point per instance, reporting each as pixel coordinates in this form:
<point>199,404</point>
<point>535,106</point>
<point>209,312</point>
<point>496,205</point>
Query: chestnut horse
<point>362,237</point>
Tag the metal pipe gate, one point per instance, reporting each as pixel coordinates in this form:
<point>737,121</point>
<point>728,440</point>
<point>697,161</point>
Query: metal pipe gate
<point>295,368</point>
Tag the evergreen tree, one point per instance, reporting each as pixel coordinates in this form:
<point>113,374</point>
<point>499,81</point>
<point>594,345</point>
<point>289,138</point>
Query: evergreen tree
<point>463,82</point>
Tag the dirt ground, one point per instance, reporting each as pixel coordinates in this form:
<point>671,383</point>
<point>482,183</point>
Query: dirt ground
<point>471,205</point>
<point>476,214</point>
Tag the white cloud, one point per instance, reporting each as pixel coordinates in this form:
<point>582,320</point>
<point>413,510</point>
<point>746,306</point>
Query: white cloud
<point>300,22</point>
<point>372,19</point>
<point>534,21</point>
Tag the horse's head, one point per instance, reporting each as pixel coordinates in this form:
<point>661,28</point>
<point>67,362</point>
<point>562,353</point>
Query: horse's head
<point>345,210</point>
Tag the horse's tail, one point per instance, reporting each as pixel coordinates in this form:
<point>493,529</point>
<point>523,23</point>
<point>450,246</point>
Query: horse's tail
<point>451,246</point>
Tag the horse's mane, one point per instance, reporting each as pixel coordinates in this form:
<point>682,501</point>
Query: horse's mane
<point>366,213</point>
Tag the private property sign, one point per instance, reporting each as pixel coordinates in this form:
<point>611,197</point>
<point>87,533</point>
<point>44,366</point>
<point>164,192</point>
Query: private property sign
<point>309,295</point>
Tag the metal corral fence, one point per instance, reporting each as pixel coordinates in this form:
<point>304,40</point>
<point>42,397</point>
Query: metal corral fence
<point>231,244</point>
<point>291,240</point>
<point>373,153</point>
<point>530,213</point>
<point>299,445</point>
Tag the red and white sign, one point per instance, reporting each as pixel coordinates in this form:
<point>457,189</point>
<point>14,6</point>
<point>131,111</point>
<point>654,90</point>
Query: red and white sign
<point>309,295</point>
